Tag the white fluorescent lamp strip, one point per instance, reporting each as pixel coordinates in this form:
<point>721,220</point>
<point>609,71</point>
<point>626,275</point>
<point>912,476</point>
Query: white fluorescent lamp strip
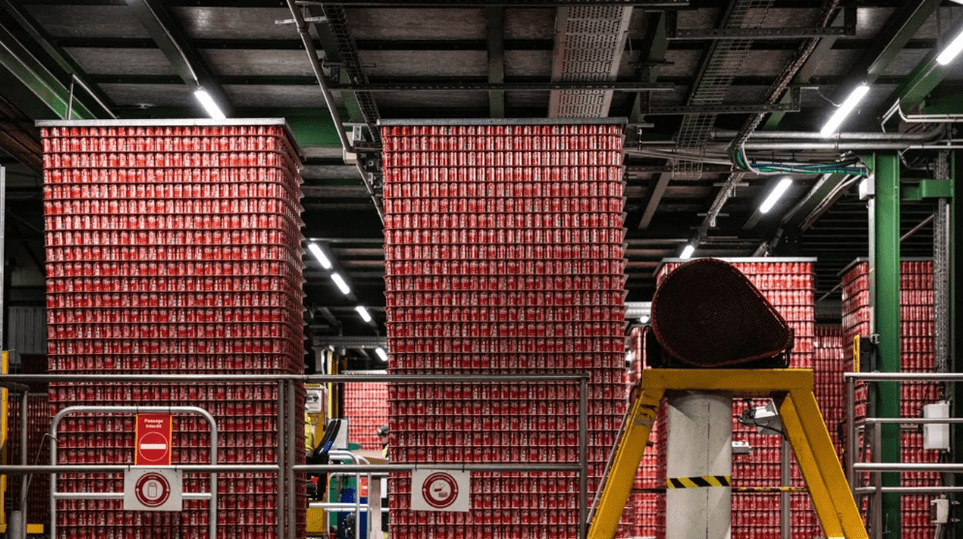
<point>381,354</point>
<point>775,195</point>
<point>363,313</point>
<point>951,51</point>
<point>208,103</point>
<point>319,254</point>
<point>339,280</point>
<point>832,126</point>
<point>687,252</point>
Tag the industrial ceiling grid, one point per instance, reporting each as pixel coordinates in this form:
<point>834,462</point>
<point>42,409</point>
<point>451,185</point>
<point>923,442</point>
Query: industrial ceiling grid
<point>262,71</point>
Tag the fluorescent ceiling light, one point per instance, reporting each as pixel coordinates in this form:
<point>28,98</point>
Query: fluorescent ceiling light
<point>364,313</point>
<point>775,195</point>
<point>644,319</point>
<point>843,111</point>
<point>319,254</point>
<point>208,103</point>
<point>381,354</point>
<point>687,252</point>
<point>339,280</point>
<point>951,51</point>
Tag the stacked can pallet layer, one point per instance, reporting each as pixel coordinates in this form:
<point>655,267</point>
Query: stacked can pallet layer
<point>917,355</point>
<point>504,255</point>
<point>38,450</point>
<point>639,518</point>
<point>789,286</point>
<point>172,249</point>
<point>366,408</point>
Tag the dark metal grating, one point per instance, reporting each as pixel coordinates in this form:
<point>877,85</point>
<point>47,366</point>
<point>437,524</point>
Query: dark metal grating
<point>707,313</point>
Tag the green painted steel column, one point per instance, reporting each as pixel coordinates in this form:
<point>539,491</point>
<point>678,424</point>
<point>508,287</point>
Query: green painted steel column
<point>886,272</point>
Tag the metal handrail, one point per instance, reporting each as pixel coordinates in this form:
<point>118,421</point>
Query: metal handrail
<point>205,415</point>
<point>286,440</point>
<point>876,467</point>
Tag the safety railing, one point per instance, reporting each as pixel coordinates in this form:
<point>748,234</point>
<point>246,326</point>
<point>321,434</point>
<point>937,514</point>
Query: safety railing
<point>871,427</point>
<point>289,442</point>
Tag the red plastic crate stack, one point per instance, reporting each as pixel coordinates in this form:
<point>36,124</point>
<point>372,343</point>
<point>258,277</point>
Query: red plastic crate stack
<point>173,249</point>
<point>504,250</point>
<point>788,284</point>
<point>38,451</point>
<point>366,408</point>
<point>917,346</point>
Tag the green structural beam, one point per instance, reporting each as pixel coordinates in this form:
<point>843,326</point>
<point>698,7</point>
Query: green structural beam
<point>929,189</point>
<point>885,280</point>
<point>38,81</point>
<point>927,75</point>
<point>496,59</point>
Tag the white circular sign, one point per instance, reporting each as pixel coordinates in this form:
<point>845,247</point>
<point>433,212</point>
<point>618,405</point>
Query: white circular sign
<point>152,490</point>
<point>439,490</point>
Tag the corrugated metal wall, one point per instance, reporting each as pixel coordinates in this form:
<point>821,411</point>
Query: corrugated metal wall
<point>27,332</point>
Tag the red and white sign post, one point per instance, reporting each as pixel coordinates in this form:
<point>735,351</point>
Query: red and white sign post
<point>153,440</point>
<point>147,488</point>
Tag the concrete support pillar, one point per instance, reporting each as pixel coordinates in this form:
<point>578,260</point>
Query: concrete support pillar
<point>699,445</point>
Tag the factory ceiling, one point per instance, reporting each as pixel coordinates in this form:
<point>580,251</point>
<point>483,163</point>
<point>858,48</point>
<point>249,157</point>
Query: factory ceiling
<point>694,79</point>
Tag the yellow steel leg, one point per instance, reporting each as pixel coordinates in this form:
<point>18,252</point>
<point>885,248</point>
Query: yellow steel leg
<point>628,455</point>
<point>818,491</point>
<point>827,469</point>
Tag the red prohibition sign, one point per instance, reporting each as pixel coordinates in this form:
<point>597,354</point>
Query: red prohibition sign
<point>439,490</point>
<point>152,489</point>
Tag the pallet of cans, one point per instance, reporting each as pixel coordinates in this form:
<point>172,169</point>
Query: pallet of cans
<point>917,355</point>
<point>38,450</point>
<point>173,247</point>
<point>504,254</point>
<point>366,408</point>
<point>788,284</point>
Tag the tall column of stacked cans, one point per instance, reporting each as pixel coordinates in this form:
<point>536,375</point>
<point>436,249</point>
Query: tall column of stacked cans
<point>173,248</point>
<point>504,249</point>
<point>642,507</point>
<point>788,284</point>
<point>917,346</point>
<point>366,408</point>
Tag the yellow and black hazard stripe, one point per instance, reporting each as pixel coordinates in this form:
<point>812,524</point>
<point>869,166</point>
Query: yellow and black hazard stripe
<point>699,482</point>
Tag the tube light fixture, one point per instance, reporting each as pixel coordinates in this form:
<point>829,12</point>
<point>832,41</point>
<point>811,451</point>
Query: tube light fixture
<point>339,280</point>
<point>777,192</point>
<point>844,110</point>
<point>382,354</point>
<point>319,254</point>
<point>206,101</point>
<point>644,319</point>
<point>364,313</point>
<point>951,51</point>
<point>687,252</point>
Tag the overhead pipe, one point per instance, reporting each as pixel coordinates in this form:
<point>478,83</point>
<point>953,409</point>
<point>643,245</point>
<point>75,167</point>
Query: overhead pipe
<point>931,135</point>
<point>920,118</point>
<point>346,145</point>
<point>850,145</point>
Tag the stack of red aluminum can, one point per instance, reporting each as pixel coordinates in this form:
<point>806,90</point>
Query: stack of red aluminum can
<point>38,450</point>
<point>917,351</point>
<point>788,284</point>
<point>639,518</point>
<point>504,249</point>
<point>173,248</point>
<point>366,408</point>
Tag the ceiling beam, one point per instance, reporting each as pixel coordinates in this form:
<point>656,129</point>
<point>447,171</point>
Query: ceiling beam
<point>495,22</point>
<point>186,61</point>
<point>655,197</point>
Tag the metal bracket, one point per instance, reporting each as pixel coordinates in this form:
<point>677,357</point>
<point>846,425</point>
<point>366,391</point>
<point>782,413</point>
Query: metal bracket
<point>929,189</point>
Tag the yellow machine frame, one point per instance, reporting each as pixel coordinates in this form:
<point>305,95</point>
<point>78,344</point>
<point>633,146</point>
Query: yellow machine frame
<point>792,391</point>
